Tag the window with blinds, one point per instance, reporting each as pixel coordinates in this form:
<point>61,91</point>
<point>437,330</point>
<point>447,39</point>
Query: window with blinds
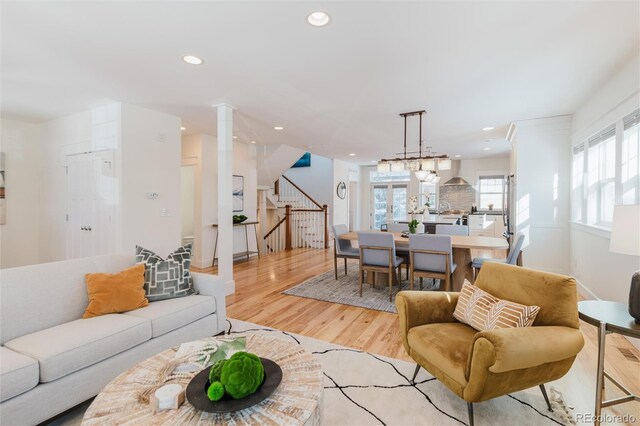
<point>630,160</point>
<point>429,194</point>
<point>601,163</point>
<point>577,182</point>
<point>605,171</point>
<point>490,192</point>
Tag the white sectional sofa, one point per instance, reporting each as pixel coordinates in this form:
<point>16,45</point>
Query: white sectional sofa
<point>51,359</point>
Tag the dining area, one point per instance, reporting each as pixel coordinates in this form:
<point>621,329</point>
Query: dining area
<point>449,255</point>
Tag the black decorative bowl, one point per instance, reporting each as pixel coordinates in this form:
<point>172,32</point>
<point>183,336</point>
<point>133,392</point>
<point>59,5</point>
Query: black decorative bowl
<point>197,391</point>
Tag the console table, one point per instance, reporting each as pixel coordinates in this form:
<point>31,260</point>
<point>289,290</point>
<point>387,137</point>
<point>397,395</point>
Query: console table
<point>246,239</point>
<point>609,317</point>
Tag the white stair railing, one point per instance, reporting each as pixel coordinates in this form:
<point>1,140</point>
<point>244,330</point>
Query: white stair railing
<point>304,223</point>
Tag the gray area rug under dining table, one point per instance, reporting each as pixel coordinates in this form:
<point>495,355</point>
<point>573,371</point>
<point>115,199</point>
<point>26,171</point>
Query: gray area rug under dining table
<point>345,290</point>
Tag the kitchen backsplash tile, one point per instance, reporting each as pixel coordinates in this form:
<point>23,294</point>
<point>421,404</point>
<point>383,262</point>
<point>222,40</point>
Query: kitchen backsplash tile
<point>460,197</point>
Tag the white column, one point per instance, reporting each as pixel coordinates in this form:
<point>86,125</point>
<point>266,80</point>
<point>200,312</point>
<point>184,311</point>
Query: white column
<point>262,203</point>
<point>225,196</point>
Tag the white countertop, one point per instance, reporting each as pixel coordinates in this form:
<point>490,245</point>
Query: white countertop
<point>437,218</point>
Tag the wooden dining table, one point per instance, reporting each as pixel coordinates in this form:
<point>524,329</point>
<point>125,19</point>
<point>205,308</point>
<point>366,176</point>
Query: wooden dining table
<point>462,246</point>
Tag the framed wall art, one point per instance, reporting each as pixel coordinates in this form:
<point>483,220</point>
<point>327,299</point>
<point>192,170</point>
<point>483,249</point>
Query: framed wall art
<point>238,193</point>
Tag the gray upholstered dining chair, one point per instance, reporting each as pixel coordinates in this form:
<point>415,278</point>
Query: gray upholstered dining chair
<point>342,249</point>
<point>397,227</point>
<point>512,257</point>
<point>431,256</point>
<point>403,252</point>
<point>378,254</point>
<point>452,230</point>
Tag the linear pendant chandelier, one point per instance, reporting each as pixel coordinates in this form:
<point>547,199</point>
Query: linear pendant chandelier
<point>423,166</point>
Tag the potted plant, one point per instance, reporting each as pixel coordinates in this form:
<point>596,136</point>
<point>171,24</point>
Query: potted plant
<point>413,225</point>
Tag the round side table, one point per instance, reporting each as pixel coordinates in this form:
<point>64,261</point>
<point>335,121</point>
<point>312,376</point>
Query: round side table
<point>296,401</point>
<point>609,317</point>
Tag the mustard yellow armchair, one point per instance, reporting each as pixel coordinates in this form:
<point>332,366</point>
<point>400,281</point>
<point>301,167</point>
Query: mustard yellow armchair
<point>478,366</point>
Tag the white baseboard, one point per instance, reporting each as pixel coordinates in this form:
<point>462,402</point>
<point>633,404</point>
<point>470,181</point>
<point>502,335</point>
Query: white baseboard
<point>231,287</point>
<point>585,292</point>
<point>196,263</point>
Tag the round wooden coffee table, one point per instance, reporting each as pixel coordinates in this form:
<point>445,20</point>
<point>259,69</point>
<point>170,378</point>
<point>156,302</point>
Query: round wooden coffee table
<point>296,401</point>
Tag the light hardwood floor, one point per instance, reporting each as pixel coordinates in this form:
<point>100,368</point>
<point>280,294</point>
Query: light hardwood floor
<point>258,299</point>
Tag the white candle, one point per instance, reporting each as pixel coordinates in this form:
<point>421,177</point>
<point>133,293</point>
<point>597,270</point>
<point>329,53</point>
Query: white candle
<point>167,396</point>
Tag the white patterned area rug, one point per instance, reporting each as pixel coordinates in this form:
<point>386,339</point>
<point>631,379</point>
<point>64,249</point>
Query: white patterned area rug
<point>366,389</point>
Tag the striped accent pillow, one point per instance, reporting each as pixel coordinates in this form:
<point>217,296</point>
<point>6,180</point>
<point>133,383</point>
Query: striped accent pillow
<point>483,311</point>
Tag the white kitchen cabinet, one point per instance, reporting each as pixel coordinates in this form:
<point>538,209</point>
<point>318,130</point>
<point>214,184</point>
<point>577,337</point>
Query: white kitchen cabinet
<point>485,225</point>
<point>480,225</point>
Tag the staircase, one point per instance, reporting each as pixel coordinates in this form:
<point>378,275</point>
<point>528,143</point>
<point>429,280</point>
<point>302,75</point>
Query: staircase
<point>300,221</point>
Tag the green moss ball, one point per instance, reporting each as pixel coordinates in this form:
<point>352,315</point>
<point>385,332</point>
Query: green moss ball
<point>215,391</point>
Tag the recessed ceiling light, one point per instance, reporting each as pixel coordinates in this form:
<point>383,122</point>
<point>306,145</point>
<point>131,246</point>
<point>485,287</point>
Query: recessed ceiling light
<point>278,128</point>
<point>253,141</point>
<point>183,128</point>
<point>352,155</point>
<point>235,137</point>
<point>488,128</point>
<point>373,161</point>
<point>488,148</point>
<point>458,155</point>
<point>318,18</point>
<point>193,60</point>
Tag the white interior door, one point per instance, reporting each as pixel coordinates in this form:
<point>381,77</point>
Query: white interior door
<point>91,205</point>
<point>353,205</point>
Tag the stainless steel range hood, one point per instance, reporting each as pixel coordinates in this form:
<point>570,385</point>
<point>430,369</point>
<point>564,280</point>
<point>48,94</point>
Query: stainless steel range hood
<point>456,179</point>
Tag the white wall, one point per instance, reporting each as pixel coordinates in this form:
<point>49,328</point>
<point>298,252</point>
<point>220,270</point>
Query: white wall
<point>317,180</point>
<point>603,274</point>
<point>20,235</point>
<point>146,148</point>
<point>343,172</point>
<point>273,161</point>
<point>60,137</point>
<point>187,185</point>
<point>542,191</point>
<point>201,151</point>
<point>244,164</point>
<point>150,162</point>
<point>470,169</point>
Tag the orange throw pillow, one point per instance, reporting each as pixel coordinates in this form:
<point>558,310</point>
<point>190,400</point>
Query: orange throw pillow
<point>115,293</point>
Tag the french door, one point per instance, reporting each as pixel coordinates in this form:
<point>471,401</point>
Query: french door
<point>389,203</point>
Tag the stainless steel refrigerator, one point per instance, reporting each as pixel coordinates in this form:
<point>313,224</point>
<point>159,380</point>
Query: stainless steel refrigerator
<point>508,206</point>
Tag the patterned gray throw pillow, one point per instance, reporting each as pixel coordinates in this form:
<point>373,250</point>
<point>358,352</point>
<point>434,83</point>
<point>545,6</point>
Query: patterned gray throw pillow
<point>166,279</point>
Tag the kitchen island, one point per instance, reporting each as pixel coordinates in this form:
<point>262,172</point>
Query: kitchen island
<point>431,220</point>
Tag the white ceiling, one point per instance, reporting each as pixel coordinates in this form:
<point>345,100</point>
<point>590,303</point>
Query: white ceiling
<point>336,90</point>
